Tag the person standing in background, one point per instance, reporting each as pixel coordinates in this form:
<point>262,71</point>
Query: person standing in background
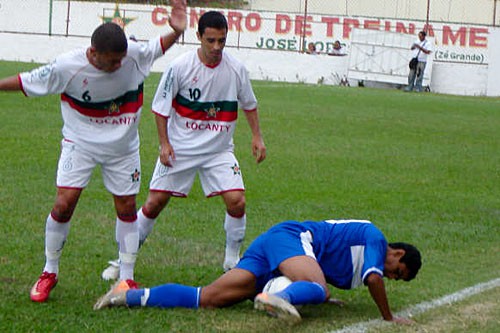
<point>421,49</point>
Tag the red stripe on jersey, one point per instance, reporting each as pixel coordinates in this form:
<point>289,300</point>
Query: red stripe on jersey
<point>21,84</point>
<point>128,107</point>
<point>202,115</point>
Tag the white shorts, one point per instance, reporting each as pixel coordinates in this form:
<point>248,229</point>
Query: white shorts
<point>121,175</point>
<point>218,173</point>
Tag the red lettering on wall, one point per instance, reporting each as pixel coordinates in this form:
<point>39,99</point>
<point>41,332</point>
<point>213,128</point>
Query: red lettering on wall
<point>449,36</point>
<point>429,30</point>
<point>194,17</point>
<point>283,24</point>
<point>348,25</point>
<point>372,24</point>
<point>253,22</point>
<point>159,16</point>
<point>401,28</point>
<point>329,21</point>
<point>301,25</point>
<point>478,41</point>
<point>234,20</point>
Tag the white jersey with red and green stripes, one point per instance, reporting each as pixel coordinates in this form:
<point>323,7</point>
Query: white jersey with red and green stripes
<point>100,110</point>
<point>202,102</point>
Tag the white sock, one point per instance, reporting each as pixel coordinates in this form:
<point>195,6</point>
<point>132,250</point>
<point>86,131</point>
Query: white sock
<point>127,237</point>
<point>55,237</point>
<point>235,233</point>
<point>145,225</point>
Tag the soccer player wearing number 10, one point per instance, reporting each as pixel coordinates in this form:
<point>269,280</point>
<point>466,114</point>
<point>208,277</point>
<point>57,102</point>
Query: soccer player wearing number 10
<point>101,91</point>
<point>196,107</point>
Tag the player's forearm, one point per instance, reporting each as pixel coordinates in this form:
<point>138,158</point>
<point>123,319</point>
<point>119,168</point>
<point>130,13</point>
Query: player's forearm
<point>10,83</point>
<point>377,291</point>
<point>161,127</point>
<point>169,39</point>
<point>253,122</point>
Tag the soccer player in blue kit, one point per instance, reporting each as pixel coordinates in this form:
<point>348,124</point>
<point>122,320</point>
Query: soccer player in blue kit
<point>342,253</point>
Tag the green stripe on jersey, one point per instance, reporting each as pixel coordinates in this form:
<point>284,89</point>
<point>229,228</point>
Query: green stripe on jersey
<point>128,97</point>
<point>203,106</point>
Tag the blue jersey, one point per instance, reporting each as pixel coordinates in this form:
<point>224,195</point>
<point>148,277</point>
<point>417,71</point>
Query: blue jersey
<point>346,250</point>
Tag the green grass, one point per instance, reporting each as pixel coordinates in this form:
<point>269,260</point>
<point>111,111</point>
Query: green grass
<point>425,168</point>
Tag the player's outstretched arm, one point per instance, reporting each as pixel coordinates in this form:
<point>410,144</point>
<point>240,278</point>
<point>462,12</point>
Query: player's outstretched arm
<point>177,21</point>
<point>376,286</point>
<point>10,83</point>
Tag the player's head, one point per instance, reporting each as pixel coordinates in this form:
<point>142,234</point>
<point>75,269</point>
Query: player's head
<point>422,34</point>
<point>212,34</point>
<point>409,258</point>
<point>212,19</point>
<point>108,47</point>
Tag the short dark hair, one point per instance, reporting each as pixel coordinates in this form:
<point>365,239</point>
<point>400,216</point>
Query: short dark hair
<point>423,33</point>
<point>109,37</point>
<point>411,258</point>
<point>212,19</point>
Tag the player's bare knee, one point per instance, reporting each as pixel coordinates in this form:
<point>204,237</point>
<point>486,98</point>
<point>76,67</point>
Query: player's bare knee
<point>63,210</point>
<point>155,203</point>
<point>125,205</point>
<point>236,207</point>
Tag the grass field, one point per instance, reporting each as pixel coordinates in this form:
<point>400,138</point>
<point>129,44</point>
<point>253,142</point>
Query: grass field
<point>425,168</point>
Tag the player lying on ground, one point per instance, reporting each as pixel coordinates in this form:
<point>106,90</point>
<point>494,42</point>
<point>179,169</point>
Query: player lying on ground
<point>343,253</point>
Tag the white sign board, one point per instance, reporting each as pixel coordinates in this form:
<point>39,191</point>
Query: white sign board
<point>383,56</point>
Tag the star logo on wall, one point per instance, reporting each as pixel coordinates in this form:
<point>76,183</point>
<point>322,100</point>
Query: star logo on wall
<point>117,18</point>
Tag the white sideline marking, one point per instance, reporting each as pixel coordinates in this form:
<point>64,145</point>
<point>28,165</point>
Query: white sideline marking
<point>423,307</point>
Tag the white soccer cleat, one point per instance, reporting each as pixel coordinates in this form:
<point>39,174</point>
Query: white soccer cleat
<point>230,263</point>
<point>112,272</point>
<point>231,259</point>
<point>277,307</point>
<point>116,296</point>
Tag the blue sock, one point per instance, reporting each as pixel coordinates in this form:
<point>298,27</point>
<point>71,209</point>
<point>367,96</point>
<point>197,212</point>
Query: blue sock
<point>168,295</point>
<point>303,292</point>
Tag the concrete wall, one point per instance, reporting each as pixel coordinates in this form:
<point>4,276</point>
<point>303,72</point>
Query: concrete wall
<point>449,74</point>
<point>469,11</point>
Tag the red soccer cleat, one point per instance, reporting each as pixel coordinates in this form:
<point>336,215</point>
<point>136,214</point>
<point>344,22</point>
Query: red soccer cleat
<point>116,296</point>
<point>42,288</point>
<point>132,284</point>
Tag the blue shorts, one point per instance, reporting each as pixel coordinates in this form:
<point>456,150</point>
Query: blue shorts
<point>270,249</point>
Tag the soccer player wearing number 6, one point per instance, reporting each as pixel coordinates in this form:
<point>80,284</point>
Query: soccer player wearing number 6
<point>343,253</point>
<point>196,106</point>
<point>101,91</point>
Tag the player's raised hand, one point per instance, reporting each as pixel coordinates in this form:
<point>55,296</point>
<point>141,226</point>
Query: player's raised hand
<point>178,19</point>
